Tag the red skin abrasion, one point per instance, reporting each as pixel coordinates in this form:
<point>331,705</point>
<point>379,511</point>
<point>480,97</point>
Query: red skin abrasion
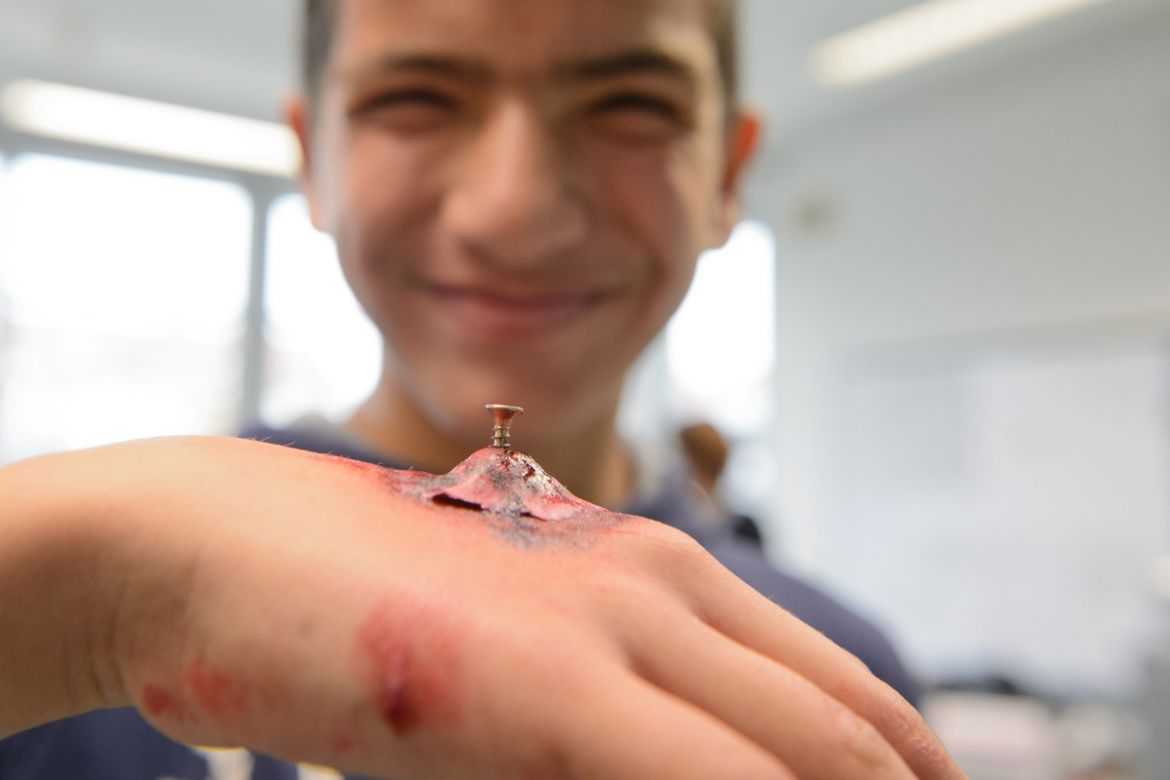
<point>516,497</point>
<point>161,703</point>
<point>510,491</point>
<point>202,689</point>
<point>408,659</point>
<point>220,696</point>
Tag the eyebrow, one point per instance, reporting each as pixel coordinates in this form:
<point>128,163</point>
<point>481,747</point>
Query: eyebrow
<point>629,63</point>
<point>436,64</point>
<point>632,62</point>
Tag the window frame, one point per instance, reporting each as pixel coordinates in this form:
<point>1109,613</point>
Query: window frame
<point>262,190</point>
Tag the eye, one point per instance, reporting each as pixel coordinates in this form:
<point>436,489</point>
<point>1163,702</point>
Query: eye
<point>635,102</point>
<point>407,109</point>
<point>640,115</point>
<point>412,97</point>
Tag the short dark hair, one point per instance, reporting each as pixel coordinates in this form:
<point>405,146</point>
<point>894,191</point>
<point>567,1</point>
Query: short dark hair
<point>319,28</point>
<point>321,22</point>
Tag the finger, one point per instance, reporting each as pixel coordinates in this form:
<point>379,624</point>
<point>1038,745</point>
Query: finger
<point>737,610</point>
<point>636,731</point>
<point>815,735</point>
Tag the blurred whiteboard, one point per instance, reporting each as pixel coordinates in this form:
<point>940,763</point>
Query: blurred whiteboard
<point>1003,507</point>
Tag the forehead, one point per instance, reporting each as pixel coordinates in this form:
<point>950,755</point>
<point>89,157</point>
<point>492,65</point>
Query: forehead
<point>525,36</point>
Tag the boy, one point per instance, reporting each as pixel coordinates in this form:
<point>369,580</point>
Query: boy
<point>519,192</point>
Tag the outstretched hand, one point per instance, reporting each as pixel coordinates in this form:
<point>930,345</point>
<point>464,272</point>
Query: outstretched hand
<point>387,624</point>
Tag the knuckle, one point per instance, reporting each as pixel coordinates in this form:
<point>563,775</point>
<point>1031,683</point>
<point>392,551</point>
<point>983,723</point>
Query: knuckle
<point>676,547</point>
<point>685,567</point>
<point>667,562</point>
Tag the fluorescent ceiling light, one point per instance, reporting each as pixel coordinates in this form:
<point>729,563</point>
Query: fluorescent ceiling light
<point>926,32</point>
<point>148,127</point>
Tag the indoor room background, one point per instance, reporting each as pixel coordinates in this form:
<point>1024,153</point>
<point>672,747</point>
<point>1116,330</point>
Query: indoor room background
<point>938,344</point>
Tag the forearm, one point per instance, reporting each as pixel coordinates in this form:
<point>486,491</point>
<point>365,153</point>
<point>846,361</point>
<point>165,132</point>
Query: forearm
<point>59,563</point>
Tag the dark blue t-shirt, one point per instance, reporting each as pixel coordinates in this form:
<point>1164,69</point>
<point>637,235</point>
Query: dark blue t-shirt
<point>120,745</point>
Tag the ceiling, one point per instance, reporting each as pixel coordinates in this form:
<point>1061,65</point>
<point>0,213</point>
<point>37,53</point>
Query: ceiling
<point>239,56</point>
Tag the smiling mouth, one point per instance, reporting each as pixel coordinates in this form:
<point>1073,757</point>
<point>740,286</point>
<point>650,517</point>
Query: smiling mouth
<point>502,316</point>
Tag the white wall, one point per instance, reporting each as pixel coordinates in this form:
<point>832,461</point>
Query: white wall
<point>1022,213</point>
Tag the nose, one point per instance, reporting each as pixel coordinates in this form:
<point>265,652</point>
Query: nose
<point>513,200</point>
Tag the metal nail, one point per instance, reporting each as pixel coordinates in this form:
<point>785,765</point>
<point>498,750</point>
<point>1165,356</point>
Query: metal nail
<point>503,415</point>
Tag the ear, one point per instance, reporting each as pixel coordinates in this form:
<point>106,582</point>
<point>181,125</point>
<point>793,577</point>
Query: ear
<point>743,138</point>
<point>297,117</point>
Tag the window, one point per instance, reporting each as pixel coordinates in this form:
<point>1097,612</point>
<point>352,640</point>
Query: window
<point>323,353</point>
<point>720,343</point>
<point>124,294</point>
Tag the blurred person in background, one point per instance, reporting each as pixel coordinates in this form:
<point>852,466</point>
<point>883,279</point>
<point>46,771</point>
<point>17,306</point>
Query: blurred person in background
<point>706,453</point>
<point>519,193</point>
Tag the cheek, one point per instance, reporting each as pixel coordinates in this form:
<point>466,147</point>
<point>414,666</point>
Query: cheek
<point>382,211</point>
<point>694,178</point>
<point>654,216</point>
<point>660,201</point>
<point>383,190</point>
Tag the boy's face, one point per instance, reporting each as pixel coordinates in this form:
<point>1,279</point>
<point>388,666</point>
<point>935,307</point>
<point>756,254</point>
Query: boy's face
<point>519,190</point>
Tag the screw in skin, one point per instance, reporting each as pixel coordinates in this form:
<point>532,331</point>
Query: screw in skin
<point>503,415</point>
